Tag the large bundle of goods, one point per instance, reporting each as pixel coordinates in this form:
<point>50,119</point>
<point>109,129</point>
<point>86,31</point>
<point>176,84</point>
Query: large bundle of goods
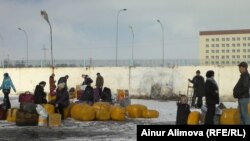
<point>150,114</point>
<point>67,110</point>
<point>193,118</point>
<point>118,113</point>
<point>54,120</point>
<point>230,117</point>
<point>3,113</point>
<point>50,109</point>
<point>102,106</point>
<point>11,115</point>
<point>26,97</point>
<point>83,112</point>
<point>135,110</point>
<point>26,118</point>
<point>102,115</point>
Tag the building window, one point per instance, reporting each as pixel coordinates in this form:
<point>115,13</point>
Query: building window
<point>217,62</point>
<point>212,51</point>
<point>213,39</point>
<point>233,50</point>
<point>238,56</point>
<point>222,62</point>
<point>207,40</point>
<point>228,45</point>
<point>217,45</point>
<point>206,63</point>
<point>227,56</point>
<point>207,51</point>
<point>248,44</point>
<point>233,56</point>
<point>217,51</point>
<point>233,39</point>
<point>227,62</point>
<point>212,45</point>
<point>248,50</point>
<point>248,56</point>
<point>238,38</point>
<point>212,62</point>
<point>233,45</point>
<point>228,51</point>
<point>238,62</point>
<point>223,51</point>
<point>244,50</point>
<point>217,57</point>
<point>228,39</point>
<point>207,45</point>
<point>217,39</point>
<point>244,44</point>
<point>212,57</point>
<point>244,38</point>
<point>223,39</point>
<point>207,57</point>
<point>223,45</point>
<point>222,57</point>
<point>238,50</point>
<point>248,38</point>
<point>244,56</point>
<point>238,45</point>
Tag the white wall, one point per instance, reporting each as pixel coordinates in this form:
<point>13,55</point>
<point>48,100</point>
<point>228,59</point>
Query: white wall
<point>138,80</point>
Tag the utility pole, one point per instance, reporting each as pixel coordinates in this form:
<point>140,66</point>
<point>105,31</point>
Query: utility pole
<point>44,52</point>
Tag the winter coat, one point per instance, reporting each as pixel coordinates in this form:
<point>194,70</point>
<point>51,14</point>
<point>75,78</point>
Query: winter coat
<point>87,81</point>
<point>99,81</point>
<point>63,80</point>
<point>62,97</point>
<point>7,84</point>
<point>88,95</point>
<point>241,89</point>
<point>52,83</point>
<point>199,86</point>
<point>183,111</point>
<point>211,92</point>
<point>40,95</point>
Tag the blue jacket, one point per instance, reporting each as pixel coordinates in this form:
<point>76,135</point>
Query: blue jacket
<point>7,84</point>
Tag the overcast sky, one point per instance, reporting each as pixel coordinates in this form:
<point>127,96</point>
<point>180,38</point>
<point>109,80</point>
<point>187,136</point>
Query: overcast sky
<point>84,29</point>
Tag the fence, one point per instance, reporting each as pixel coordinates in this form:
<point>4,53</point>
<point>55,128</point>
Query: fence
<point>120,63</point>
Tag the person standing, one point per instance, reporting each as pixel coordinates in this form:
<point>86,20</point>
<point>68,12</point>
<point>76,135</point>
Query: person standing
<point>99,83</point>
<point>62,98</point>
<point>52,85</point>
<point>63,80</point>
<point>241,92</point>
<point>212,97</point>
<point>6,88</point>
<point>199,89</point>
<point>39,94</point>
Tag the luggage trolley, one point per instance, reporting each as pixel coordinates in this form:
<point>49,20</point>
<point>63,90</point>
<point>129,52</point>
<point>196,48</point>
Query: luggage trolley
<point>190,92</point>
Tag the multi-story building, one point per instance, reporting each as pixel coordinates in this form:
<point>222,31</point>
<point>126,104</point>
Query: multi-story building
<point>224,47</point>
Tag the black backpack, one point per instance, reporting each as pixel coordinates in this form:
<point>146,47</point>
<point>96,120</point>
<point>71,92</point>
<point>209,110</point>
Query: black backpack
<point>106,95</point>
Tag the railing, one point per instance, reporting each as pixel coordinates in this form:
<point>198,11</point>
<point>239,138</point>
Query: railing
<point>121,63</point>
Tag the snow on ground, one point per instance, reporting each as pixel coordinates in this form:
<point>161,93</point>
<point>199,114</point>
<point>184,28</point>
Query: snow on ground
<point>72,130</point>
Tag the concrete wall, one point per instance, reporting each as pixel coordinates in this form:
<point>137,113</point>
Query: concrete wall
<point>137,80</point>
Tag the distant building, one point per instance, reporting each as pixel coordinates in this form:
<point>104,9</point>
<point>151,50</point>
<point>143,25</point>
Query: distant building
<point>224,47</point>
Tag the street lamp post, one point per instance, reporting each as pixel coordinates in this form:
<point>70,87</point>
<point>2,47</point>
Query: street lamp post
<point>27,45</point>
<point>162,41</point>
<point>45,16</point>
<point>1,37</point>
<point>44,53</point>
<point>116,51</point>
<point>131,28</point>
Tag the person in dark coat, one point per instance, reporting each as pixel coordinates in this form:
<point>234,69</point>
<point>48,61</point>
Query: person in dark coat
<point>39,94</point>
<point>99,83</point>
<point>183,110</point>
<point>52,85</point>
<point>212,97</point>
<point>63,80</point>
<point>62,98</point>
<point>241,92</point>
<point>199,89</point>
<point>87,80</point>
<point>88,95</point>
